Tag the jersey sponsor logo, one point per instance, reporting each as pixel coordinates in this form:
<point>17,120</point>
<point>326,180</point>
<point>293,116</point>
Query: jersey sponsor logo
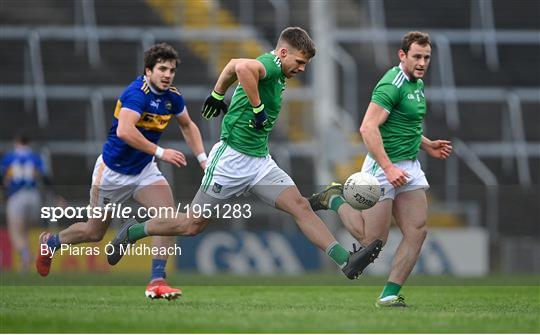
<point>217,188</point>
<point>154,104</point>
<point>151,121</point>
<point>415,95</point>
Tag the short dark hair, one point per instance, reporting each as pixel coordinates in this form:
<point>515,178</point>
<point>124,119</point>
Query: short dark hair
<point>414,37</point>
<point>158,53</point>
<point>299,39</point>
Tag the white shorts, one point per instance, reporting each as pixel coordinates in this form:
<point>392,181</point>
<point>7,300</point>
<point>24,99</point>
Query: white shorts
<point>24,204</point>
<point>231,173</point>
<point>109,186</point>
<point>416,181</point>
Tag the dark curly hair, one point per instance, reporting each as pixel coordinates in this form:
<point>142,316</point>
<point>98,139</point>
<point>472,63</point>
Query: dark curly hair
<point>158,53</point>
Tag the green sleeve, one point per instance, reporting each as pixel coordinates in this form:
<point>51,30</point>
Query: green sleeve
<point>272,69</point>
<point>385,95</point>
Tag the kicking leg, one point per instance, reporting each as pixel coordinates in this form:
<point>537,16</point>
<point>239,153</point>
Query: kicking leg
<point>291,201</point>
<point>180,224</point>
<point>331,198</point>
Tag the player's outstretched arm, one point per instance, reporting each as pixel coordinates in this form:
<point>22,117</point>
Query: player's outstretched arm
<point>440,149</point>
<point>127,132</point>
<point>375,116</point>
<point>192,136</point>
<point>214,103</point>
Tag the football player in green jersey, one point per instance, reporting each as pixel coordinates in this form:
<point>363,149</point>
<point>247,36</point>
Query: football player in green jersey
<point>240,162</point>
<point>392,131</point>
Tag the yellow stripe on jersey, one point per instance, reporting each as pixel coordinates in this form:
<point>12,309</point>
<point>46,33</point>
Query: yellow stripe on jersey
<point>117,108</point>
<point>174,90</point>
<point>148,121</point>
<point>9,173</point>
<point>155,122</point>
<point>145,88</point>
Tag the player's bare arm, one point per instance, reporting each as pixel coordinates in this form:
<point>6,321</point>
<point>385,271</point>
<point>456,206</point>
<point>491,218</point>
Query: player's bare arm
<point>440,149</point>
<point>375,116</point>
<point>249,71</point>
<point>192,136</point>
<point>246,71</point>
<point>128,132</point>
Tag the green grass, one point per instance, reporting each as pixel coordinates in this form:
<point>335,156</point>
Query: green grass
<point>297,306</point>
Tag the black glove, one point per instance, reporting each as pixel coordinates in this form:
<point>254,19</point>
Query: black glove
<point>214,105</point>
<point>260,119</point>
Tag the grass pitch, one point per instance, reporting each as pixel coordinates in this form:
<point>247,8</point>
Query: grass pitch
<point>225,304</point>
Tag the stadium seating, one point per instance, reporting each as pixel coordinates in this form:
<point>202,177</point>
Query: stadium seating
<point>65,63</point>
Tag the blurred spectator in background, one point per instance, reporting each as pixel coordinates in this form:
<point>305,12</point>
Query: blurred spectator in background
<point>22,170</point>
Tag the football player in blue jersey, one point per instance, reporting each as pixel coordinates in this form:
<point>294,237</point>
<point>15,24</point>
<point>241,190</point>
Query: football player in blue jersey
<point>127,168</point>
<point>21,171</point>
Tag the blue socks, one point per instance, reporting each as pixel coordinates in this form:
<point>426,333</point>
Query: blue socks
<point>53,242</point>
<point>158,268</point>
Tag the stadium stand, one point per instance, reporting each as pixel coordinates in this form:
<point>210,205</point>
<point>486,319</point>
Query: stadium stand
<point>69,96</point>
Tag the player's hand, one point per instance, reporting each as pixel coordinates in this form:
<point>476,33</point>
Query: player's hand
<point>396,176</point>
<point>174,157</point>
<point>214,105</point>
<point>440,149</point>
<point>260,119</point>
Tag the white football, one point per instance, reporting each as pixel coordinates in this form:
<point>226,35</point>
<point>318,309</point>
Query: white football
<point>362,190</point>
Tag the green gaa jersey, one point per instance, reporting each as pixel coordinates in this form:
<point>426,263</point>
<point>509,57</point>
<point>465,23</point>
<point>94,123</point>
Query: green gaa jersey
<point>235,130</point>
<point>404,100</point>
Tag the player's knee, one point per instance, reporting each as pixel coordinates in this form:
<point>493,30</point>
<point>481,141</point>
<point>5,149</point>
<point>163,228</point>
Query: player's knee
<point>193,230</point>
<point>195,227</point>
<point>301,205</point>
<point>358,234</point>
<point>417,232</point>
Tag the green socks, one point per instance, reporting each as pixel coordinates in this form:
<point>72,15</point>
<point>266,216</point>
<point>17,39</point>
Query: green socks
<point>335,202</point>
<point>338,254</point>
<point>390,289</point>
<point>137,231</point>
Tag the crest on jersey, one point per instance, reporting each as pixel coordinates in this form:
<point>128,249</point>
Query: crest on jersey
<point>217,188</point>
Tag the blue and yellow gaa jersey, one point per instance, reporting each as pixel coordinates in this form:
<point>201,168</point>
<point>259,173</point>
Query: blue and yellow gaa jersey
<point>21,169</point>
<point>156,111</point>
